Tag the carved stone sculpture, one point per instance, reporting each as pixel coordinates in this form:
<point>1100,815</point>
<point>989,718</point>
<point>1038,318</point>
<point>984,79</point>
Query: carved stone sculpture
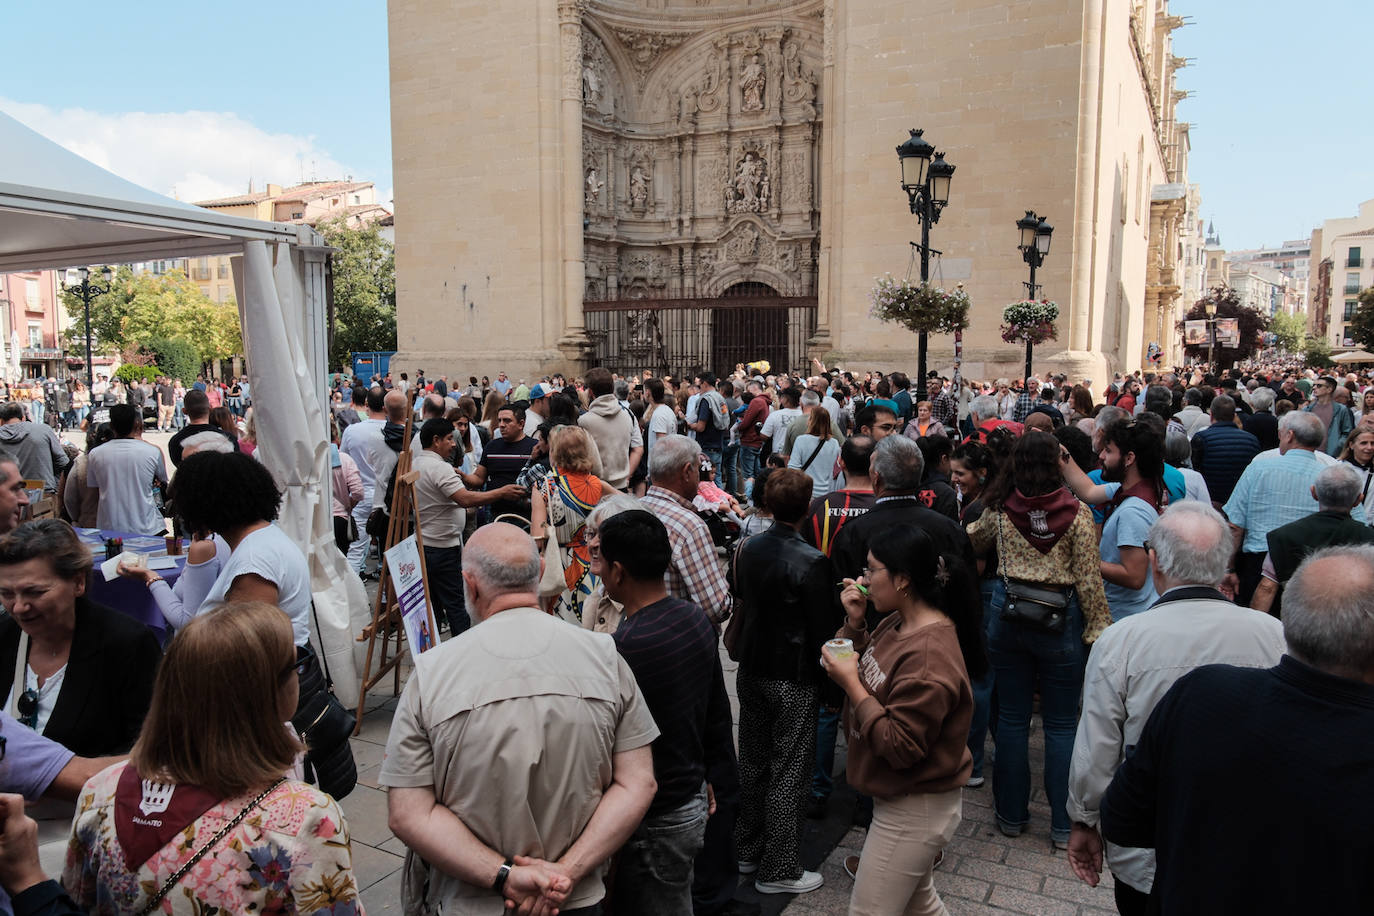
<point>639,187</point>
<point>593,187</point>
<point>749,188</point>
<point>752,81</point>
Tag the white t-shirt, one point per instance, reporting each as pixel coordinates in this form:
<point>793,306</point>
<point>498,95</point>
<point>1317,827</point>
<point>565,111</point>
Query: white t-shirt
<point>269,553</point>
<point>775,427</point>
<point>363,442</point>
<point>662,422</point>
<point>123,470</point>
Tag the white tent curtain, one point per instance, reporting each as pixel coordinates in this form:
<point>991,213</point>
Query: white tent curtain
<point>292,442</point>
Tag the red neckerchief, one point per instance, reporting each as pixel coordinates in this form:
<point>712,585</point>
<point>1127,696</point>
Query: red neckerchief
<point>1145,490</point>
<point>148,816</point>
<point>1042,520</point>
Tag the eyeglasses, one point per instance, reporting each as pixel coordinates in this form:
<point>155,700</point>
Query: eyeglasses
<point>28,708</point>
<point>868,571</point>
<point>304,656</point>
<point>1146,546</point>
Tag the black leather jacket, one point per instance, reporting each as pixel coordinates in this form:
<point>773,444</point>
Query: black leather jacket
<point>786,592</point>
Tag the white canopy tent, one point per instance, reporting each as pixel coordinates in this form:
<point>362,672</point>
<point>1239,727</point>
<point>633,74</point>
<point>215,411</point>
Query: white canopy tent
<point>59,210</point>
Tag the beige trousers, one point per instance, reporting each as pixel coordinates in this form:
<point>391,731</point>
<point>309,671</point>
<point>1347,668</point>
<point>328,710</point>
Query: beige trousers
<point>907,833</point>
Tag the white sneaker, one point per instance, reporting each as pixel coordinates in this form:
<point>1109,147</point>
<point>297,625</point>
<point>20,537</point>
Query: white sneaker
<point>809,881</point>
<point>975,782</point>
<point>747,868</point>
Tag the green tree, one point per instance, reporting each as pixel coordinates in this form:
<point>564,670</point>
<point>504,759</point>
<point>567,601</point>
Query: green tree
<point>175,356</point>
<point>1317,353</point>
<point>1252,325</point>
<point>364,270</point>
<point>1362,328</point>
<point>1289,330</point>
<point>143,307</point>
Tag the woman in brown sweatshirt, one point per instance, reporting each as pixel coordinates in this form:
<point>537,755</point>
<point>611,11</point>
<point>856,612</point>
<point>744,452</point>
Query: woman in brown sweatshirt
<point>907,713</point>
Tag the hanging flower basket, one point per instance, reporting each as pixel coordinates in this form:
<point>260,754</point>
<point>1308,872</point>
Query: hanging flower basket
<point>1029,321</point>
<point>919,306</point>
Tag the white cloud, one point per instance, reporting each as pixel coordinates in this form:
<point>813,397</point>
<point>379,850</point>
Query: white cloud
<point>192,155</point>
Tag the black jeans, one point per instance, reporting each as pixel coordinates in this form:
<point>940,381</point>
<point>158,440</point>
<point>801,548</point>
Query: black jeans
<point>715,874</point>
<point>444,566</point>
<point>1129,901</point>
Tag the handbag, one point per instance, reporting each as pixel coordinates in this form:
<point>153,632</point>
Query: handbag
<point>551,583</point>
<point>325,725</point>
<point>734,618</point>
<point>1038,607</point>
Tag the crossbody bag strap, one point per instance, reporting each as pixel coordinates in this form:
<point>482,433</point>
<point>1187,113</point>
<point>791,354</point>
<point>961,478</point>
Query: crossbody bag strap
<point>21,659</point>
<point>181,872</point>
<point>819,445</point>
<point>319,637</point>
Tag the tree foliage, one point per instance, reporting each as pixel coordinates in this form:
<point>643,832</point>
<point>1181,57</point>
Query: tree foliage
<point>175,356</point>
<point>140,308</point>
<point>1252,324</point>
<point>1362,328</point>
<point>1317,353</point>
<point>1289,330</point>
<point>134,372</point>
<point>364,268</point>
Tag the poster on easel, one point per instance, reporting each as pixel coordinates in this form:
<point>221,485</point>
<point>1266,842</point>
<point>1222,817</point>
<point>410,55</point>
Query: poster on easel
<point>408,582</point>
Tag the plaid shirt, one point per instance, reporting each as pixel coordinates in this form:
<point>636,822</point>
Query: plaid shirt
<point>694,574</point>
<point>943,410</point>
<point>1025,403</point>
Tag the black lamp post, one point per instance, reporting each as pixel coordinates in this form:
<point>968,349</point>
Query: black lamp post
<point>1035,247</point>
<point>925,179</point>
<point>78,280</point>
<point>1211,309</point>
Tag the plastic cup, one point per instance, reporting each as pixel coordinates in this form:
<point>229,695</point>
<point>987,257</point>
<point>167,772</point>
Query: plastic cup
<point>841,648</point>
<point>131,560</point>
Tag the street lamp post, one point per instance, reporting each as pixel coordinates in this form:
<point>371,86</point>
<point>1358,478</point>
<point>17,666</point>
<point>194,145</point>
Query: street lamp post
<point>1035,247</point>
<point>1211,309</point>
<point>78,280</point>
<point>925,179</point>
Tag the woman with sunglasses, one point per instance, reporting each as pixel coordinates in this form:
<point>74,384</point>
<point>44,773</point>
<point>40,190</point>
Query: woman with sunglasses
<point>82,673</point>
<point>203,817</point>
<point>908,705</point>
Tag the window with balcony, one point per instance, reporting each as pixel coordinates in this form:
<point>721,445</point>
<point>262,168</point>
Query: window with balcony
<point>35,335</point>
<point>223,269</point>
<point>31,295</point>
<point>1352,284</point>
<point>1352,258</point>
<point>1351,307</point>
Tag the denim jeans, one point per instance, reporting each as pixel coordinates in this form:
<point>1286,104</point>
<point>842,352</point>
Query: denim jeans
<point>1020,656</point>
<point>654,872</point>
<point>729,471</point>
<point>748,468</point>
<point>827,731</point>
<point>982,693</point>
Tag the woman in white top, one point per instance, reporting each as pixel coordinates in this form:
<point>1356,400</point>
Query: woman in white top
<point>816,451</point>
<point>660,418</point>
<point>235,497</point>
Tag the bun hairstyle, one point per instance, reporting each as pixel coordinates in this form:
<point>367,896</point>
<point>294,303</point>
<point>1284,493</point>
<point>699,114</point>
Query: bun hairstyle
<point>943,581</point>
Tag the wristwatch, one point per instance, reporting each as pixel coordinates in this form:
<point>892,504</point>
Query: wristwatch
<point>502,874</point>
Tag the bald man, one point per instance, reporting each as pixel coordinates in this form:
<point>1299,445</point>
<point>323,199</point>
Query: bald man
<point>564,691</point>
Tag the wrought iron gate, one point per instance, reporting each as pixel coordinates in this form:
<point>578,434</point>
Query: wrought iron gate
<point>679,337</point>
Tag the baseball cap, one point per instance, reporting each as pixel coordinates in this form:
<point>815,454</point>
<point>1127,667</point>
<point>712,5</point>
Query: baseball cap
<point>540,391</point>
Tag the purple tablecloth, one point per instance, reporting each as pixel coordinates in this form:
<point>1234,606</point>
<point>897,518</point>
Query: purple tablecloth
<point>130,596</point>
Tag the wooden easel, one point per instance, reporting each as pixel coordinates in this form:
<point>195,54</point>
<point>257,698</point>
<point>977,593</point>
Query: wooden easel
<point>386,610</point>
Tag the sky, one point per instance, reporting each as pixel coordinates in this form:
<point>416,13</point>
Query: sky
<point>192,103</point>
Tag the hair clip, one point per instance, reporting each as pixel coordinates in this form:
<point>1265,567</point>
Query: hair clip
<point>941,572</point>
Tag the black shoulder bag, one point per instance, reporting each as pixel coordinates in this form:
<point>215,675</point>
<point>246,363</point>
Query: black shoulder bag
<point>1030,604</point>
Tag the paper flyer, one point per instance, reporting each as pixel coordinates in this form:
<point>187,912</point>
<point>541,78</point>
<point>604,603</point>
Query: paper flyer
<point>404,562</point>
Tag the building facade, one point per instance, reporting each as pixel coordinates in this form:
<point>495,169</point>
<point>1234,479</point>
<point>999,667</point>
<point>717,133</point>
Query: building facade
<point>1343,252</point>
<point>32,320</point>
<point>682,184</point>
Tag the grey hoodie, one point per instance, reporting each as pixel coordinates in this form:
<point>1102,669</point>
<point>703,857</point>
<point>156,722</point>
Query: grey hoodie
<point>37,451</point>
<point>615,432</point>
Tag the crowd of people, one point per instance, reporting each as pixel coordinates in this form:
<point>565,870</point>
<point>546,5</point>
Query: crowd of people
<point>1176,574</point>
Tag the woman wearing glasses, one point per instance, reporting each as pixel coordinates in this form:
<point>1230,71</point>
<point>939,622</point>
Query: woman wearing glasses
<point>82,673</point>
<point>908,705</point>
<point>203,818</point>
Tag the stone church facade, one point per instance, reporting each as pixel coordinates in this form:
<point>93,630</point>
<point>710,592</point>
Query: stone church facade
<point>685,184</point>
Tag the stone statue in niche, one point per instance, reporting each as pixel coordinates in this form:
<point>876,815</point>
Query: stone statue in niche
<point>752,81</point>
<point>688,110</point>
<point>639,187</point>
<point>799,84</point>
<point>593,187</point>
<point>591,85</point>
<point>748,189</point>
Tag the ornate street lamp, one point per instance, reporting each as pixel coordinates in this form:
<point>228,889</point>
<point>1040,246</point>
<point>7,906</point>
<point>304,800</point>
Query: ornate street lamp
<point>1034,247</point>
<point>1211,309</point>
<point>925,179</point>
<point>78,281</point>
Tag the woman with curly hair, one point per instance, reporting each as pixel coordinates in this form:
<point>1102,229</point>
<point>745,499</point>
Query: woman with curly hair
<point>235,497</point>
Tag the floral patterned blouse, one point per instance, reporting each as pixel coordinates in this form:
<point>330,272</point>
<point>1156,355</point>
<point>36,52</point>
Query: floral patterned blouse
<point>291,855</point>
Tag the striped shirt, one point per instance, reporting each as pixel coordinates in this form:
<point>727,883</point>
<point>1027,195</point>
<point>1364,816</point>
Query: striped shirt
<point>694,574</point>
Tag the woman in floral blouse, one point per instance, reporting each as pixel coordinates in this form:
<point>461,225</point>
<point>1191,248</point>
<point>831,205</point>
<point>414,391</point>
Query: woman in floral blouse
<point>207,776</point>
<point>1043,537</point>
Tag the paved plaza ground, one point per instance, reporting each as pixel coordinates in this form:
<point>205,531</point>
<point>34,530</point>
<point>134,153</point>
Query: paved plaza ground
<point>983,871</point>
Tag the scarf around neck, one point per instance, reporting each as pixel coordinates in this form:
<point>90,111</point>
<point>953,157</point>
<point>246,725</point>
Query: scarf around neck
<point>1042,520</point>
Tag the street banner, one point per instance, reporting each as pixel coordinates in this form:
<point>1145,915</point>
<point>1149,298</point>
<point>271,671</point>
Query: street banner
<point>1195,333</point>
<point>407,578</point>
<point>1228,332</point>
